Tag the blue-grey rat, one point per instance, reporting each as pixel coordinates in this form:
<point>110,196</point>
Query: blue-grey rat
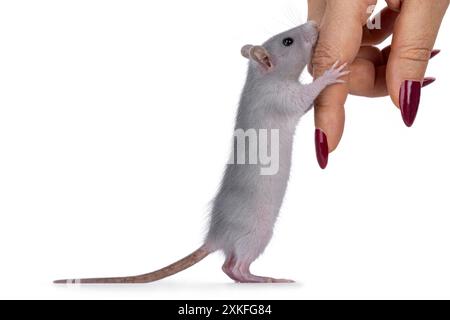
<point>248,202</point>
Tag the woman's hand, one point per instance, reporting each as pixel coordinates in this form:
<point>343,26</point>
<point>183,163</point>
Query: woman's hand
<point>397,70</point>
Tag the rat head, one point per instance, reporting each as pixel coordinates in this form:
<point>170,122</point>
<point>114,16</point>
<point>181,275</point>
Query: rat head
<point>285,55</point>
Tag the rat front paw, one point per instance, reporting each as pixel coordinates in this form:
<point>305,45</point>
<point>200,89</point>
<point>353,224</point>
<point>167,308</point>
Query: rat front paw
<point>332,75</point>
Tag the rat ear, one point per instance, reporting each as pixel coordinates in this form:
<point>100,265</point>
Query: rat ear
<point>245,51</point>
<point>262,56</point>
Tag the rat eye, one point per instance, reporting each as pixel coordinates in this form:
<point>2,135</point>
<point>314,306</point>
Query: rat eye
<point>288,42</point>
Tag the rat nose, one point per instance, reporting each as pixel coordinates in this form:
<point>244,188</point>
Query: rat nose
<point>311,31</point>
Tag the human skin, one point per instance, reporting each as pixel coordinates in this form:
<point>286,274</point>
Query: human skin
<point>397,71</point>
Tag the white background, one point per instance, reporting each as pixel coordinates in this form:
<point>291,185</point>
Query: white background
<point>115,119</point>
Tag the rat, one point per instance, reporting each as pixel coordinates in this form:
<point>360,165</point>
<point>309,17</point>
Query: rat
<point>249,199</point>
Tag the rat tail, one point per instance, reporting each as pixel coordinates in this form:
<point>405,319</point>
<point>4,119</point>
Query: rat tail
<point>172,269</point>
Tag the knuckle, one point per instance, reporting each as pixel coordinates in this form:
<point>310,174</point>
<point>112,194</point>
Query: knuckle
<point>324,57</point>
<point>414,53</point>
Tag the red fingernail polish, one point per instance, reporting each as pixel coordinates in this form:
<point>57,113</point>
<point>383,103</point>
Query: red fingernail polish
<point>427,81</point>
<point>321,148</point>
<point>434,53</point>
<point>410,100</point>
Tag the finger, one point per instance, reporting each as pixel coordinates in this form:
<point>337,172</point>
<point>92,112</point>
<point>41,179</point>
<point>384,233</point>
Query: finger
<point>340,39</point>
<point>367,79</point>
<point>372,54</point>
<point>415,33</point>
<point>316,10</point>
<point>386,52</point>
<point>368,73</point>
<point>380,27</point>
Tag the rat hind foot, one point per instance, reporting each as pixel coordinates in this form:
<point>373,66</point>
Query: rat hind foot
<point>250,278</point>
<point>228,266</point>
<point>241,273</point>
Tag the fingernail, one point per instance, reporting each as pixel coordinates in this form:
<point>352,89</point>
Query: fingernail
<point>434,53</point>
<point>410,100</point>
<point>321,148</point>
<point>427,81</point>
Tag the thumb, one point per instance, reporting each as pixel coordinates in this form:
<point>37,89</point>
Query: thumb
<point>340,39</point>
<point>415,33</point>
